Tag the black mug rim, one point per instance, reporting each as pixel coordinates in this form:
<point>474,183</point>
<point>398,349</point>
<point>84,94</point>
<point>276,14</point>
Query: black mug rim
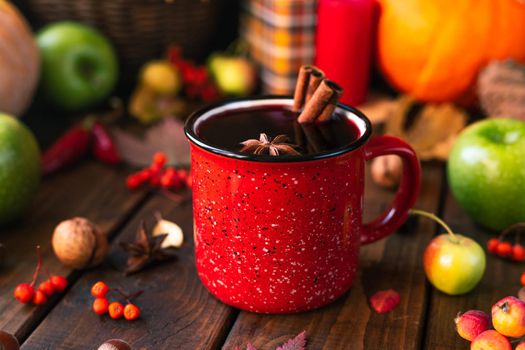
<point>196,140</point>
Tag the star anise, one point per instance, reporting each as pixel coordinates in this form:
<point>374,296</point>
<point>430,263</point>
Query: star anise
<point>264,145</point>
<point>146,250</point>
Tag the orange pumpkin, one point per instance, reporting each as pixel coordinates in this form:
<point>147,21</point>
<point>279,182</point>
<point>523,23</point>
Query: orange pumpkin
<point>434,49</point>
<point>19,61</point>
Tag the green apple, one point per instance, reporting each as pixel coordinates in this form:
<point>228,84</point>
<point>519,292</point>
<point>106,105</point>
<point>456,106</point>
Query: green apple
<point>79,65</point>
<point>234,75</point>
<point>454,264</point>
<point>486,172</point>
<point>19,167</point>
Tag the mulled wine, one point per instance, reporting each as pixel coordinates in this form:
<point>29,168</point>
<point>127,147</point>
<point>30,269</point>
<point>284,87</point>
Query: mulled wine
<point>227,130</point>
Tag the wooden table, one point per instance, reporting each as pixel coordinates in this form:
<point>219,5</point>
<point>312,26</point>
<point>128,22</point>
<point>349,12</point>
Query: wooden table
<point>178,313</point>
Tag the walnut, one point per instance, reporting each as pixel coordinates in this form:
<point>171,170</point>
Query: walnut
<point>78,243</point>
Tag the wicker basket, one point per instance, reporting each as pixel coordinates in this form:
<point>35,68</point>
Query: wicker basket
<point>139,29</point>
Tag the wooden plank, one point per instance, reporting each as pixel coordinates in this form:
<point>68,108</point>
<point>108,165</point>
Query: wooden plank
<point>177,311</point>
<point>91,190</point>
<point>349,323</point>
<point>501,279</point>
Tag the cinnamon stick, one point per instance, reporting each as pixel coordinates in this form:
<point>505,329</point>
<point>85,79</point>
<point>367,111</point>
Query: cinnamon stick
<point>301,87</point>
<point>316,76</point>
<point>326,114</point>
<point>322,97</point>
<point>314,137</point>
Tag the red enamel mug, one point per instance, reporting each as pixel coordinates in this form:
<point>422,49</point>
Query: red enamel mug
<point>281,235</point>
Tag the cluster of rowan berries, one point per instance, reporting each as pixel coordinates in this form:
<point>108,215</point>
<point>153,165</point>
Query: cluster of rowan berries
<point>115,309</point>
<point>158,175</point>
<point>26,292</point>
<point>504,249</point>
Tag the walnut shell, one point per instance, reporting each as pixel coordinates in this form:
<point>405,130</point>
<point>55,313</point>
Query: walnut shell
<point>78,243</point>
<point>8,341</point>
<point>387,170</point>
<point>114,344</point>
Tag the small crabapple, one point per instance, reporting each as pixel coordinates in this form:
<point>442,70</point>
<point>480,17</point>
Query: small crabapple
<point>472,323</point>
<point>47,288</point>
<point>24,292</point>
<point>490,340</point>
<point>59,283</point>
<point>508,317</point>
<point>518,252</point>
<point>504,249</point>
<point>39,298</point>
<point>492,245</point>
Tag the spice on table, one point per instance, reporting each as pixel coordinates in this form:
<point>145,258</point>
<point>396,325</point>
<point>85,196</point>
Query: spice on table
<point>71,147</point>
<point>104,148</point>
<point>175,236</point>
<point>146,250</point>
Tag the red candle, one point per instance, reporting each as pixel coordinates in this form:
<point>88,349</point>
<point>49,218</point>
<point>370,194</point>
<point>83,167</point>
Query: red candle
<point>344,45</point>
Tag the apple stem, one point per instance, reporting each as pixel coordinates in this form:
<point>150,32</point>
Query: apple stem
<point>436,219</point>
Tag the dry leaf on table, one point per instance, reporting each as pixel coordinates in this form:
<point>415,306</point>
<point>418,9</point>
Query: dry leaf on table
<point>378,108</point>
<point>501,89</point>
<point>296,343</point>
<point>166,136</point>
<point>432,130</point>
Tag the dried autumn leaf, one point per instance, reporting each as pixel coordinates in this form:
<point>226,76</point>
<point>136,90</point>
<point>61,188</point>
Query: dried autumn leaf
<point>433,130</point>
<point>501,89</point>
<point>166,136</point>
<point>378,108</point>
<point>297,343</point>
<point>435,124</point>
<point>385,300</point>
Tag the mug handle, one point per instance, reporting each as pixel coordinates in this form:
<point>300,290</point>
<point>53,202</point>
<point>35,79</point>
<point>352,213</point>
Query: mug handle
<point>408,190</point>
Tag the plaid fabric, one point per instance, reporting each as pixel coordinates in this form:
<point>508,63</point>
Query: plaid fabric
<point>281,37</point>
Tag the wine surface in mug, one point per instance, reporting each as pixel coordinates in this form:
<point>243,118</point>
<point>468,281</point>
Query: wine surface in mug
<point>227,130</point>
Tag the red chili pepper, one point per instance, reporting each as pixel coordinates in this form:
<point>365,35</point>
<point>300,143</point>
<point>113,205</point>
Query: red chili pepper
<point>72,146</point>
<point>103,147</point>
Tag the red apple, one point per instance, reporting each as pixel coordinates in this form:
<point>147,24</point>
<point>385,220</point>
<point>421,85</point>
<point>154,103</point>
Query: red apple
<point>471,324</point>
<point>490,340</point>
<point>508,317</point>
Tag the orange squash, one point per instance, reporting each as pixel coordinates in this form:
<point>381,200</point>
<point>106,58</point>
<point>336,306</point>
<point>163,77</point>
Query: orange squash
<point>19,61</point>
<point>434,49</point>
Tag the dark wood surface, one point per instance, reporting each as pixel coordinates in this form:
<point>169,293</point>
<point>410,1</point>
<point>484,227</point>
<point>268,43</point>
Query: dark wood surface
<point>178,313</point>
